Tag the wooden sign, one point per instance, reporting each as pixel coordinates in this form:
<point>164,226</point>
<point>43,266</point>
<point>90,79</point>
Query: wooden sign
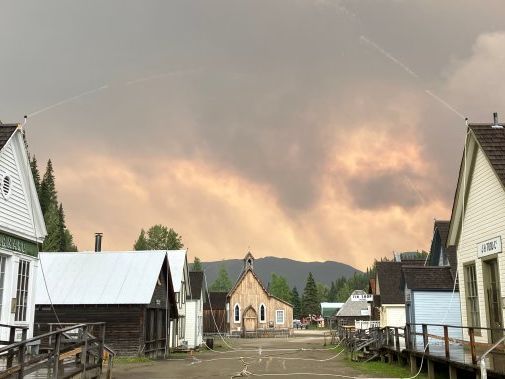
<point>8,242</point>
<point>366,297</point>
<point>489,247</point>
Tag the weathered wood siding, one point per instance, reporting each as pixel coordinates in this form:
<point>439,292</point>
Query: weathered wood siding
<point>249,292</point>
<point>208,321</point>
<point>124,329</point>
<point>484,219</point>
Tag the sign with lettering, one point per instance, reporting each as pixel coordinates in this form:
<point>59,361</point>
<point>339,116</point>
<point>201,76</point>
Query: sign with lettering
<point>489,247</point>
<point>366,297</point>
<point>11,243</point>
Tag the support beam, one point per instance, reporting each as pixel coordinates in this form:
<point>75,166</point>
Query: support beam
<point>453,373</point>
<point>431,369</point>
<point>413,364</point>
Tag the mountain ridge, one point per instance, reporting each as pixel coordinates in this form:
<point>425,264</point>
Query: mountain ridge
<point>294,271</point>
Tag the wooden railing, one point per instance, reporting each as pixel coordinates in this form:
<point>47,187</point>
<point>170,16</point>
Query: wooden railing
<point>61,353</point>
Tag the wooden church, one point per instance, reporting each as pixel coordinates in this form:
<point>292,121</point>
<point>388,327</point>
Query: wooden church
<point>253,311</point>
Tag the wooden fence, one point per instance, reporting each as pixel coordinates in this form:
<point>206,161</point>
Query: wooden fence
<point>62,353</point>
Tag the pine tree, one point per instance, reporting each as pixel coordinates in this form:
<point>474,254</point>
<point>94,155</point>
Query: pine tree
<point>54,238</point>
<point>279,287</point>
<point>310,299</point>
<point>297,304</point>
<point>141,242</point>
<point>332,293</point>
<point>48,195</point>
<point>67,240</point>
<point>197,265</point>
<point>35,174</point>
<point>222,282</point>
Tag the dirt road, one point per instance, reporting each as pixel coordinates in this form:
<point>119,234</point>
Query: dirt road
<point>263,356</point>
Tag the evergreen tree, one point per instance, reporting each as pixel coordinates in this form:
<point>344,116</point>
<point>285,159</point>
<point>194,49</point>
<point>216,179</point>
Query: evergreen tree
<point>67,240</point>
<point>222,282</point>
<point>54,238</point>
<point>35,174</point>
<point>322,292</point>
<point>332,293</point>
<point>279,287</point>
<point>197,265</point>
<point>141,242</point>
<point>48,195</point>
<point>297,304</point>
<point>159,237</point>
<point>310,298</point>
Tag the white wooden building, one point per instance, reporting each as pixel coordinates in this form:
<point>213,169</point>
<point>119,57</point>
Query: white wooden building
<point>194,310</point>
<point>178,262</point>
<point>22,230</point>
<point>477,229</point>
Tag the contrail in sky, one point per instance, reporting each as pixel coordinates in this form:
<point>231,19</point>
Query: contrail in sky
<point>418,193</point>
<point>444,103</point>
<point>68,100</point>
<point>389,56</point>
<point>164,75</point>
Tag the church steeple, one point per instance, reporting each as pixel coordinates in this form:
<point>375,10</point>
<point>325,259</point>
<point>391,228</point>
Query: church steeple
<point>248,261</point>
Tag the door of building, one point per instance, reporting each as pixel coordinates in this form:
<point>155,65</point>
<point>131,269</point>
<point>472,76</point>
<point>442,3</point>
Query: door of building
<point>250,320</point>
<point>493,299</point>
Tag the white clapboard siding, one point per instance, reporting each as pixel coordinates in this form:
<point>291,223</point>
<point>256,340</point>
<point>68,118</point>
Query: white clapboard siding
<point>191,318</point>
<point>436,307</point>
<point>15,212</point>
<point>393,315</point>
<point>484,219</point>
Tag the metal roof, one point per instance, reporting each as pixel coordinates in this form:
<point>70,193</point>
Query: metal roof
<point>177,262</point>
<point>98,278</point>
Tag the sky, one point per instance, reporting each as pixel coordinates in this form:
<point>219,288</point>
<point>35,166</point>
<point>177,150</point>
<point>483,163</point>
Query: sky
<point>309,129</point>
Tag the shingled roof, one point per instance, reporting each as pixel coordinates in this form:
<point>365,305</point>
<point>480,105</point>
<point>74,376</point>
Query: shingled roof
<point>353,308</point>
<point>428,278</point>
<point>6,131</point>
<point>390,281</point>
<point>492,141</point>
<point>442,228</point>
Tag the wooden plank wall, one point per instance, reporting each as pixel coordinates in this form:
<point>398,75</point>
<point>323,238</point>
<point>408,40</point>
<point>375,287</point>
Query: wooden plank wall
<point>208,322</point>
<point>124,329</point>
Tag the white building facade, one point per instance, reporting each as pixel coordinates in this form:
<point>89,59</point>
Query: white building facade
<point>478,231</point>
<point>22,231</point>
<point>194,310</point>
<point>178,262</point>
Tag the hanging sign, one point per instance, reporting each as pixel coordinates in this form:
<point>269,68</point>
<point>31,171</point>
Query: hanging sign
<point>365,297</point>
<point>11,243</point>
<point>489,247</point>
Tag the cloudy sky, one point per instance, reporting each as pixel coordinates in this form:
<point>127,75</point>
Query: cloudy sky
<point>310,129</point>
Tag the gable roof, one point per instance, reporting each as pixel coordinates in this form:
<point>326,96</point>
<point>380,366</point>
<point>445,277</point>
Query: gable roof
<point>428,278</point>
<point>196,280</point>
<point>177,261</point>
<point>98,278</point>
<point>441,230</point>
<point>242,276</point>
<point>492,143</point>
<point>6,131</point>
<point>353,308</point>
<point>389,280</point>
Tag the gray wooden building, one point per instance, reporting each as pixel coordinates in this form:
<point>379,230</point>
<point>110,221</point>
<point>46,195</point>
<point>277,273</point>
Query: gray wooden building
<point>131,292</point>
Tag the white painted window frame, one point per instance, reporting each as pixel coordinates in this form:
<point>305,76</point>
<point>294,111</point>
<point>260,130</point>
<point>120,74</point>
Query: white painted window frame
<point>239,310</point>
<point>277,319</point>
<point>264,321</point>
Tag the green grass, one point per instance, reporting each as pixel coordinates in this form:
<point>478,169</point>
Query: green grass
<point>384,369</point>
<point>126,360</point>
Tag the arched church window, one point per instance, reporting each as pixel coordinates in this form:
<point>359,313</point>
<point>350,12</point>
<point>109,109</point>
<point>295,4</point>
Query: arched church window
<point>237,313</point>
<point>263,312</point>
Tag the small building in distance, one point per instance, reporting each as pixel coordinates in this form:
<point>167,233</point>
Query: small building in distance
<point>390,289</point>
<point>215,318</point>
<point>354,310</point>
<point>22,231</point>
<point>194,310</point>
<point>253,309</point>
<point>130,291</point>
<point>329,312</point>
